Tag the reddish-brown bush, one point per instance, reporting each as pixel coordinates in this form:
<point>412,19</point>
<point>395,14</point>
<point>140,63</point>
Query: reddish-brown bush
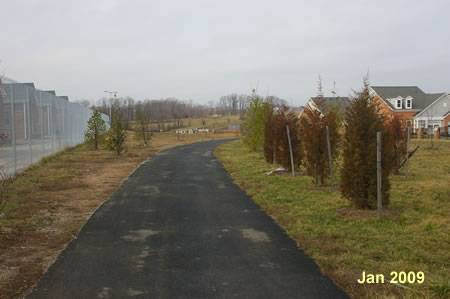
<point>398,142</point>
<point>269,132</point>
<point>281,119</point>
<point>313,124</point>
<point>359,171</point>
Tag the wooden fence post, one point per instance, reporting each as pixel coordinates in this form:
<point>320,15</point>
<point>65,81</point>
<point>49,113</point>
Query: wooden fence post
<point>290,150</point>
<point>379,202</point>
<point>330,162</point>
<point>273,150</point>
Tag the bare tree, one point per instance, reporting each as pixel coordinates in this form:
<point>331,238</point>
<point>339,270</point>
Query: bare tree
<point>173,110</point>
<point>141,125</point>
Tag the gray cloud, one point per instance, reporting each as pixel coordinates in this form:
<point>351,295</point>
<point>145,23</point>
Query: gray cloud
<point>201,50</point>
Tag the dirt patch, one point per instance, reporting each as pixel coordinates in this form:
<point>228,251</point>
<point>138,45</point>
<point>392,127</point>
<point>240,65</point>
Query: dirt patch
<point>53,199</point>
<point>357,214</point>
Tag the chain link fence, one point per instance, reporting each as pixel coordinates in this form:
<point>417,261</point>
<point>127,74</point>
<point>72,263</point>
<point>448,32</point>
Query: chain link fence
<point>36,123</point>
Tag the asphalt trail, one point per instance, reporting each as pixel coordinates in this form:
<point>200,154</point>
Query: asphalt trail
<point>180,228</point>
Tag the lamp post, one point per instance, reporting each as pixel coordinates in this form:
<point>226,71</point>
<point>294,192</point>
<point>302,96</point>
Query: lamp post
<point>112,95</point>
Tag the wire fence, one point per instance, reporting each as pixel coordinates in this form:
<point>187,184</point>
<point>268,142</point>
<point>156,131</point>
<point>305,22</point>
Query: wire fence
<point>36,123</point>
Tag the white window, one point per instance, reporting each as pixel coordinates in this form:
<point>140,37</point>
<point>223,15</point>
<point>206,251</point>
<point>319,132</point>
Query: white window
<point>408,123</point>
<point>408,103</point>
<point>399,104</point>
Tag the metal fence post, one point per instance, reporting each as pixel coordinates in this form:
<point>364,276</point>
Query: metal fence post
<point>290,150</point>
<point>330,162</point>
<point>13,128</point>
<point>64,125</point>
<point>70,124</point>
<point>379,202</point>
<point>28,128</point>
<point>51,125</point>
<point>42,124</point>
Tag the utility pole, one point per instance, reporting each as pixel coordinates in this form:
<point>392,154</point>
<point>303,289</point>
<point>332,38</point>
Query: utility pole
<point>334,89</point>
<point>112,96</point>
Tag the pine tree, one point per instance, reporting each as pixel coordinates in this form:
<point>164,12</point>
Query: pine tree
<point>398,142</point>
<point>314,138</point>
<point>115,140</point>
<point>95,129</point>
<point>269,142</point>
<point>253,125</point>
<point>359,171</point>
<point>282,119</point>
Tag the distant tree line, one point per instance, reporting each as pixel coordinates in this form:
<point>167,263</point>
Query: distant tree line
<point>169,113</point>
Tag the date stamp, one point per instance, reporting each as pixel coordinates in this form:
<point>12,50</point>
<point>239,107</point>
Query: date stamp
<point>394,277</point>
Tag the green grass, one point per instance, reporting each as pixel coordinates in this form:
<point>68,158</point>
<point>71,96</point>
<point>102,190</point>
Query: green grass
<point>417,239</point>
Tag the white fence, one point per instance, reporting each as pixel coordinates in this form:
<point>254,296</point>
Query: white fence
<point>36,123</point>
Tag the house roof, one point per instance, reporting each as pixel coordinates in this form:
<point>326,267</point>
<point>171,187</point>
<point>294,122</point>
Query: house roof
<point>66,98</point>
<point>420,100</point>
<point>30,84</point>
<point>431,97</point>
<point>342,102</point>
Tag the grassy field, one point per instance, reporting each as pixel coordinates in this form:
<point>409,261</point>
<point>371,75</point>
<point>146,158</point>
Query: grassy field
<point>344,242</point>
<point>211,123</point>
<point>51,200</point>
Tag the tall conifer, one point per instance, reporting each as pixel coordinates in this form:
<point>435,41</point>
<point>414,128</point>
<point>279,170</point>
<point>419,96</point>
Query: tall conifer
<point>359,171</point>
<point>313,123</point>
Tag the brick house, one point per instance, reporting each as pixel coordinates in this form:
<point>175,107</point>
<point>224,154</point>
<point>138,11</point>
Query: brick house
<point>405,102</point>
<point>447,122</point>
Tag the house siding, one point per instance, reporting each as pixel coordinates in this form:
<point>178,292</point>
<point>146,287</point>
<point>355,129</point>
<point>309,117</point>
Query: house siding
<point>437,109</point>
<point>433,115</point>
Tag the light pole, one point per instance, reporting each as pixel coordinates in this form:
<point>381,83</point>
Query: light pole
<point>112,95</point>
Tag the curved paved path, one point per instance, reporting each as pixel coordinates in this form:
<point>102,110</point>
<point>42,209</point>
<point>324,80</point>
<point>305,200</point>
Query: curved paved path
<point>179,228</point>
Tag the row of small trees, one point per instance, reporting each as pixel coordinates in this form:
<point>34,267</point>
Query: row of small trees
<point>352,136</point>
<point>115,137</point>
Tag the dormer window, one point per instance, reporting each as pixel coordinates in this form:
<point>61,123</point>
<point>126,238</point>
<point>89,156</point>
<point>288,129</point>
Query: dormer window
<point>398,104</point>
<point>408,102</point>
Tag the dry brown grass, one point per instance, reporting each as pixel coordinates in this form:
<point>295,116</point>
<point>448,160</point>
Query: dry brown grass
<point>52,200</point>
<point>210,122</point>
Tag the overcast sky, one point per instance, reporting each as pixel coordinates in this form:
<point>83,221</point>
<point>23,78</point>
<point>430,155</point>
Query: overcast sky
<point>201,50</point>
